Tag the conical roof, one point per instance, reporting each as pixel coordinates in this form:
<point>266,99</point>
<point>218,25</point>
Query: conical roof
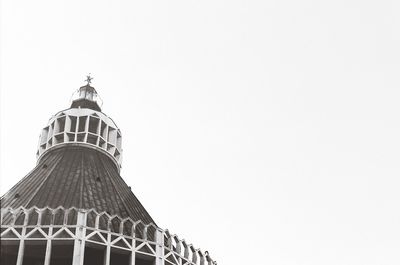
<point>79,160</point>
<point>76,176</point>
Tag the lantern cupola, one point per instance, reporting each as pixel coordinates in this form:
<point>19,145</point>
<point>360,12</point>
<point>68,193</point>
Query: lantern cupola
<point>87,97</point>
<point>83,124</point>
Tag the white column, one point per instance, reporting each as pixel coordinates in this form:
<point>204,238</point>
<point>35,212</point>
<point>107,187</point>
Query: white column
<point>133,248</point>
<point>107,253</point>
<point>159,247</point>
<point>21,242</point>
<point>48,247</point>
<point>79,244</point>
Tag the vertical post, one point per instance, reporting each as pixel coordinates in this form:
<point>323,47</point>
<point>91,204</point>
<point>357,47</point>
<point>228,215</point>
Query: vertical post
<point>87,127</point>
<point>48,247</point>
<point>106,260</point>
<point>76,129</point>
<point>79,244</point>
<point>133,255</point>
<point>21,247</point>
<point>108,248</point>
<point>133,250</point>
<point>159,247</point>
<point>21,242</point>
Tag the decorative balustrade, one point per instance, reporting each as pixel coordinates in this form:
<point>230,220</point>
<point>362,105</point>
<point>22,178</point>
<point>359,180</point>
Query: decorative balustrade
<point>82,127</point>
<point>91,236</point>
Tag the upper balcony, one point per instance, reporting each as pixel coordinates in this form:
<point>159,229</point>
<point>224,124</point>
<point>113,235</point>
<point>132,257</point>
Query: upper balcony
<point>82,126</point>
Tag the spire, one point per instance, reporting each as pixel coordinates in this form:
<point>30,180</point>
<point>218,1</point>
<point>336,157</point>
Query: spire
<point>87,96</point>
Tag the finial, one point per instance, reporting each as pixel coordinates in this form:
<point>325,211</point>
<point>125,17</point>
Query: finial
<point>88,79</point>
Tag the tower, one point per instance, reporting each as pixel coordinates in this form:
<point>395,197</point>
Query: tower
<point>74,208</point>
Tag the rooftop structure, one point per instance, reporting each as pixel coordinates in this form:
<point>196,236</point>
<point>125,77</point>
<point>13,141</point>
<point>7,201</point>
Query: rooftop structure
<point>74,207</point>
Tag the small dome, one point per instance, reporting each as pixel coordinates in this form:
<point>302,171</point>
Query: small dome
<point>83,124</point>
<point>86,97</point>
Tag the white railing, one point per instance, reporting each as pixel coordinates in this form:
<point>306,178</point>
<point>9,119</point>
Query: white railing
<point>83,227</point>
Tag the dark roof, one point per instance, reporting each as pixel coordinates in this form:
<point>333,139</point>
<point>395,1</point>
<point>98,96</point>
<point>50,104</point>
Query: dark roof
<point>76,176</point>
<point>87,98</point>
<point>85,104</point>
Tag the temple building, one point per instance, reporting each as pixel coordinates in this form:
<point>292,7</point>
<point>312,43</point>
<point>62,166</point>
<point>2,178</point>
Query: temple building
<point>74,207</point>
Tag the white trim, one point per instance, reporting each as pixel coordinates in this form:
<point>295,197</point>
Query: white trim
<point>182,252</point>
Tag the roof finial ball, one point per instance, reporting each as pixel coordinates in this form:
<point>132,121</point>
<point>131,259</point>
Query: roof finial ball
<point>88,79</point>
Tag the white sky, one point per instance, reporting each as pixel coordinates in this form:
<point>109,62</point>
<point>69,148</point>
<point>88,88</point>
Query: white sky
<point>266,132</point>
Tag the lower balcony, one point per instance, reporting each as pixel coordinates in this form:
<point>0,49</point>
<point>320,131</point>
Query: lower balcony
<point>85,237</point>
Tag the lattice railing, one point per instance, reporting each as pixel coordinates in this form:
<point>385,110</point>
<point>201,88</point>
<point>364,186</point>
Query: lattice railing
<point>93,228</point>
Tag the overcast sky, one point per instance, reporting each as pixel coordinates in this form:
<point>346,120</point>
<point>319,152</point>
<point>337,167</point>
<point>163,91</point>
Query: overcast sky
<point>266,132</point>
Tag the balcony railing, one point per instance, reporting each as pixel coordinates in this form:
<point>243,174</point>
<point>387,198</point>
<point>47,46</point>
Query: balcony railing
<point>27,232</point>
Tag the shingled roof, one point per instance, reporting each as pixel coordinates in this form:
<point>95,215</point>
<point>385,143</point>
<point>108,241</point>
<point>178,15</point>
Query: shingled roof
<point>76,176</point>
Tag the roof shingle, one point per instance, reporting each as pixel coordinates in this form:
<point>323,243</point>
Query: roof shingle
<point>76,176</point>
